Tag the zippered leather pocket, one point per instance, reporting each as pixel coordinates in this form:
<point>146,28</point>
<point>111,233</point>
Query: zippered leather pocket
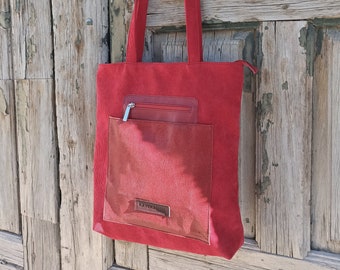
<point>162,108</point>
<point>159,176</point>
<point>160,167</point>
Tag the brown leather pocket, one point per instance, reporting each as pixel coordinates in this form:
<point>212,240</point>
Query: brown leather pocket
<point>159,176</point>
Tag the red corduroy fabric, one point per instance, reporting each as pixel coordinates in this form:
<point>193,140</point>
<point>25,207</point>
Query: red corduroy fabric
<point>217,88</point>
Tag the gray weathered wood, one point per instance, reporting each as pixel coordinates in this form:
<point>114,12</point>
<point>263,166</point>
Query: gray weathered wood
<point>80,29</point>
<point>37,149</point>
<point>326,148</point>
<point>246,171</point>
<point>41,244</point>
<point>249,257</point>
<point>335,157</point>
<point>120,15</point>
<point>32,54</point>
<point>9,205</point>
<point>165,13</point>
<point>131,255</point>
<point>11,250</point>
<point>284,141</point>
<point>32,39</point>
<point>5,48</point>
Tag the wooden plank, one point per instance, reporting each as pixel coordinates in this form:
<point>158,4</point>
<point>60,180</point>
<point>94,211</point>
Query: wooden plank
<point>326,149</point>
<point>37,149</point>
<point>165,12</point>
<point>11,250</point>
<point>9,210</point>
<point>249,257</point>
<point>335,135</point>
<point>80,32</point>
<point>41,244</point>
<point>32,39</point>
<point>9,205</point>
<point>5,31</point>
<point>284,141</point>
<point>246,169</point>
<point>131,255</point>
<point>120,15</point>
<point>10,267</point>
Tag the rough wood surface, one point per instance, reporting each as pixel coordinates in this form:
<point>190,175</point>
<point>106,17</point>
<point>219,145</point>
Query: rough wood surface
<point>335,123</point>
<point>326,147</point>
<point>80,29</point>
<point>41,244</point>
<point>165,12</point>
<point>120,14</point>
<point>249,257</point>
<point>284,141</point>
<point>32,53</point>
<point>37,149</point>
<point>11,250</point>
<point>131,255</point>
<point>5,37</point>
<point>32,39</point>
<point>9,204</point>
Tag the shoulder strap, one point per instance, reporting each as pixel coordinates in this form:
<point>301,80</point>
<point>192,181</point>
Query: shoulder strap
<point>138,24</point>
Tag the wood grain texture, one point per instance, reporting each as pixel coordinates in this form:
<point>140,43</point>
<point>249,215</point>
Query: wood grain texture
<point>11,250</point>
<point>120,15</point>
<point>326,148</point>
<point>80,29</point>
<point>32,39</point>
<point>9,182</point>
<point>165,12</point>
<point>284,141</point>
<point>9,205</point>
<point>249,257</point>
<point>37,149</point>
<point>5,38</point>
<point>131,255</point>
<point>41,244</point>
<point>335,135</point>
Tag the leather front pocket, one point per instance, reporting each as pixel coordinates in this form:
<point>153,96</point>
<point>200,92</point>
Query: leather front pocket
<point>163,108</point>
<point>159,176</point>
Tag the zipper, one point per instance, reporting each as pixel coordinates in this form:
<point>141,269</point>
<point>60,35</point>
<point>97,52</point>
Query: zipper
<point>149,106</point>
<point>127,110</point>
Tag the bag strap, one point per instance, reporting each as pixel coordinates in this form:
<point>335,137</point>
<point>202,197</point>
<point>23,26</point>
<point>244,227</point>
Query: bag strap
<point>136,35</point>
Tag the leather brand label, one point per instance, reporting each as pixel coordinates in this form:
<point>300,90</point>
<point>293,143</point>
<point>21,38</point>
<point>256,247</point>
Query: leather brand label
<point>152,208</point>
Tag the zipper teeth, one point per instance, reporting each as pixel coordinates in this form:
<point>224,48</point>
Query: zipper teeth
<point>163,107</point>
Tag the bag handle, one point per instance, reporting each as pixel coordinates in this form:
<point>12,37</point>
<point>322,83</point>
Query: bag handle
<point>136,35</point>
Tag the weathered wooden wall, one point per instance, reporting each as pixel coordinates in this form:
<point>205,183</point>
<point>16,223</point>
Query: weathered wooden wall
<point>290,124</point>
<point>49,55</point>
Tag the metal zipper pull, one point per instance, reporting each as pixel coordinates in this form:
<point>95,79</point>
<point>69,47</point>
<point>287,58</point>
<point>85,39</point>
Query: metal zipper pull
<point>127,111</point>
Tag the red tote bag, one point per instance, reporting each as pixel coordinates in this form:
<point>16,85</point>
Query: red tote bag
<point>166,150</point>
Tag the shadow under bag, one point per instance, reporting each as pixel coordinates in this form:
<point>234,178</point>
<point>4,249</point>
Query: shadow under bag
<point>166,150</point>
